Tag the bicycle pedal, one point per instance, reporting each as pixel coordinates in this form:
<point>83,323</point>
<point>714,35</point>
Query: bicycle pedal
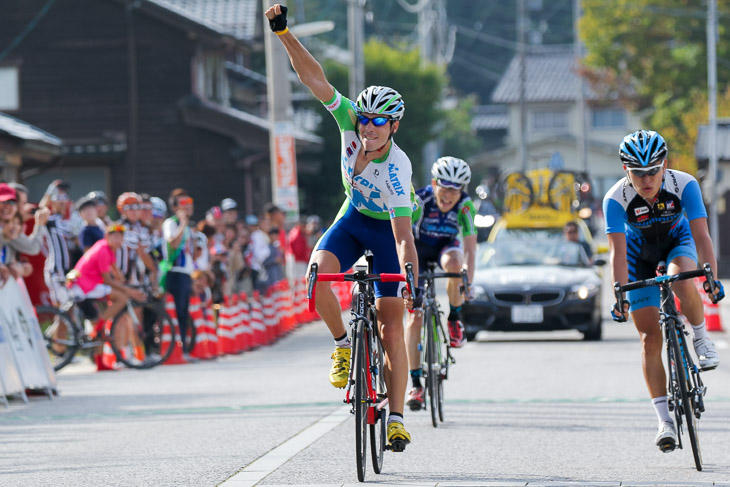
<point>668,447</point>
<point>397,446</point>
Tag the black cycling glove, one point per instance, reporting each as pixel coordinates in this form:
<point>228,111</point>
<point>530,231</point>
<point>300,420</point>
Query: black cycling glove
<point>418,298</point>
<point>278,23</point>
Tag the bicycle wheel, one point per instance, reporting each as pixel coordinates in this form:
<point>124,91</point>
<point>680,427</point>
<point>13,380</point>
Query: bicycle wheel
<point>516,192</point>
<point>431,365</point>
<point>378,435</point>
<point>137,338</point>
<point>686,408</point>
<point>442,358</point>
<point>60,333</point>
<point>361,402</point>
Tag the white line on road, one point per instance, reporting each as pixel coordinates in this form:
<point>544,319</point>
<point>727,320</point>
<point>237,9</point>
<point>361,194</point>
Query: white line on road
<point>721,344</point>
<point>277,457</point>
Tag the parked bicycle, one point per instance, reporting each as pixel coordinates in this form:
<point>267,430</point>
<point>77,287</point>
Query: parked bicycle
<point>435,349</point>
<point>686,390</point>
<point>365,392</point>
<point>135,335</point>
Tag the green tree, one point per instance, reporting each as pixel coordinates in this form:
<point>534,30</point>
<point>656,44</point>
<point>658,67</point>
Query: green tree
<point>652,56</point>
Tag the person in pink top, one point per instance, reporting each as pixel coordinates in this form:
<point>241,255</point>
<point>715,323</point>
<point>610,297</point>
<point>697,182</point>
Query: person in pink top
<point>93,277</point>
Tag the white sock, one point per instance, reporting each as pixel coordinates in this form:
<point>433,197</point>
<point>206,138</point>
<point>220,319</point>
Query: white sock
<point>343,342</point>
<point>700,331</point>
<point>661,407</point>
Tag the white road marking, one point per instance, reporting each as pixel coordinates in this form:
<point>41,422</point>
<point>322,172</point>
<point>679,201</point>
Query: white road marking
<point>263,466</point>
<point>721,344</point>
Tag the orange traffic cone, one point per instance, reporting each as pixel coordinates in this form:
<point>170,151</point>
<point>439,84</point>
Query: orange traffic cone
<point>200,349</point>
<point>269,316</point>
<point>215,343</point>
<point>225,330</point>
<point>176,358</point>
<point>257,320</point>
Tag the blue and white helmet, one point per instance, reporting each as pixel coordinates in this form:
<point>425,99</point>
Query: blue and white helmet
<point>452,170</point>
<point>642,148</point>
<point>381,100</point>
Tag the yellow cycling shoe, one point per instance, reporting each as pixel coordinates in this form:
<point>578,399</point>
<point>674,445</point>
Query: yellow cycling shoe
<point>398,437</point>
<point>340,371</point>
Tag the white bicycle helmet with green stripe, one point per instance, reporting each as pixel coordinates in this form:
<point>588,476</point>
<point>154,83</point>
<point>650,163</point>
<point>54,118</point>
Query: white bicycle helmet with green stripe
<point>381,100</point>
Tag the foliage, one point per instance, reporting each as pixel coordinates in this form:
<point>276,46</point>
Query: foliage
<point>651,55</point>
<point>681,142</point>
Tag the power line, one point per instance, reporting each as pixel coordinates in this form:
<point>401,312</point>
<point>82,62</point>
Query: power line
<point>27,30</point>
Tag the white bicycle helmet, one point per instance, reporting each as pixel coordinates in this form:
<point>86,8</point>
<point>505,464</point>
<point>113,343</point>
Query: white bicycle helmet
<point>381,100</point>
<point>159,208</point>
<point>451,170</point>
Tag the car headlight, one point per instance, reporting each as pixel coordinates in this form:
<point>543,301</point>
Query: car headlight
<point>480,294</point>
<point>583,291</point>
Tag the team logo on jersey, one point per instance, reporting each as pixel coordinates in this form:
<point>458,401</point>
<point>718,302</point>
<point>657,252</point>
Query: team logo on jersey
<point>335,104</point>
<point>642,218</point>
<point>641,210</point>
<point>660,206</point>
<point>670,205</point>
<point>391,212</point>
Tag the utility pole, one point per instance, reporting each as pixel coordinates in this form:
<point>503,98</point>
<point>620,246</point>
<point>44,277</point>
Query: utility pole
<point>521,46</point>
<point>355,40</point>
<point>712,91</point>
<point>582,139</point>
<point>284,192</point>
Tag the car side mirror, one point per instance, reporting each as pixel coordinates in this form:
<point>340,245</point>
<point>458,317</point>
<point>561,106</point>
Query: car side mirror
<point>599,262</point>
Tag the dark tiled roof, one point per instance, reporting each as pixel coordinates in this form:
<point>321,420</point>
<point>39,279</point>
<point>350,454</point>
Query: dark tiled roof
<point>237,18</point>
<point>490,117</point>
<point>16,128</point>
<point>702,146</point>
<point>550,77</point>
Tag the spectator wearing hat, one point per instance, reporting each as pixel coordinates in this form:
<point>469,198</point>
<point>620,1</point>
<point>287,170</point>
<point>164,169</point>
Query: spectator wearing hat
<point>94,278</point>
<point>102,207</point>
<point>313,230</point>
<point>229,207</point>
<point>11,230</point>
<point>8,202</point>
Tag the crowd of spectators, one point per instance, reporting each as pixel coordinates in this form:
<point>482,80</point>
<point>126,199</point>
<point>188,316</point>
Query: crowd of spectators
<point>223,253</point>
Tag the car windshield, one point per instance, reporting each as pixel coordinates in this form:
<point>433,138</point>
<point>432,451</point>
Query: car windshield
<point>531,247</point>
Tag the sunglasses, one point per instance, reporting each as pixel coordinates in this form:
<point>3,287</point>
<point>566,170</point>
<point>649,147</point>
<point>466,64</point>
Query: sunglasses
<point>116,228</point>
<point>448,184</point>
<point>185,201</point>
<point>133,206</point>
<point>649,171</point>
<point>377,121</point>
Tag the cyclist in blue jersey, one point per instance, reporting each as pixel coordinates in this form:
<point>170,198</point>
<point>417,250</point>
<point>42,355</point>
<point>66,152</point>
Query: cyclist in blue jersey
<point>445,213</point>
<point>656,214</point>
<point>376,215</point>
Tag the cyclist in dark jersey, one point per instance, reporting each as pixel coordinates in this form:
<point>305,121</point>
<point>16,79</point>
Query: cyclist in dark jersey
<point>445,214</point>
<point>656,214</point>
<point>376,215</point>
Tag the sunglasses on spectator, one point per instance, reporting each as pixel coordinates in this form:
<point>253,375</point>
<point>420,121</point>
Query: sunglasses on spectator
<point>646,171</point>
<point>9,202</point>
<point>61,197</point>
<point>185,201</point>
<point>377,121</point>
<point>133,206</point>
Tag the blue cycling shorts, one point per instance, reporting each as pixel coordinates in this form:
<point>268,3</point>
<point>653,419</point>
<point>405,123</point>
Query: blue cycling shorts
<point>352,234</point>
<point>649,296</point>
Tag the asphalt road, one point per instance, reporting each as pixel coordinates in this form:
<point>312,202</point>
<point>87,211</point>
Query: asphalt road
<point>522,409</point>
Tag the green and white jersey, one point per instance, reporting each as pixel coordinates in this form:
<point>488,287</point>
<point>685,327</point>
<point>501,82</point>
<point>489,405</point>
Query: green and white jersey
<point>383,189</point>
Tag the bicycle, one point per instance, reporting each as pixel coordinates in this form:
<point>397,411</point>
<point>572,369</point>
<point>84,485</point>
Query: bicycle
<point>436,354</point>
<point>686,390</point>
<point>365,392</point>
<point>67,331</point>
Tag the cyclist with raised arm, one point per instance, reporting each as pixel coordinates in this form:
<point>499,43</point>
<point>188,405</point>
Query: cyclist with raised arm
<point>445,212</point>
<point>376,215</point>
<point>656,214</point>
